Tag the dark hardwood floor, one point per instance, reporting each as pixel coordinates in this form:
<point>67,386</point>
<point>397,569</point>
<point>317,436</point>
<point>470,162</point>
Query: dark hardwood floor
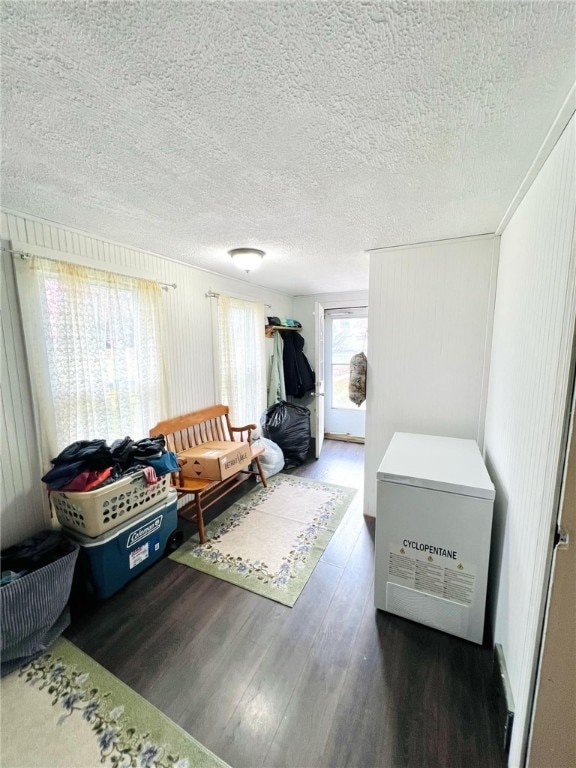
<point>331,682</point>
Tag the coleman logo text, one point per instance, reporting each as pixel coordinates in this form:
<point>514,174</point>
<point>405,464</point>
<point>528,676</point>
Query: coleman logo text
<point>145,530</point>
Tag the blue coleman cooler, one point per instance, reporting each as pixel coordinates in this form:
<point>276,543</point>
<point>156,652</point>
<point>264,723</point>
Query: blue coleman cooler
<point>111,560</point>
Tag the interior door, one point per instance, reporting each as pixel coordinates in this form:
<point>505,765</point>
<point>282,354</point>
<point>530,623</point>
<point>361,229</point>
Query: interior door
<point>319,390</point>
<point>552,739</point>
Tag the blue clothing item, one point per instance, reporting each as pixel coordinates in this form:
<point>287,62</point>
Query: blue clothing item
<point>168,462</point>
<point>62,474</point>
<point>9,576</point>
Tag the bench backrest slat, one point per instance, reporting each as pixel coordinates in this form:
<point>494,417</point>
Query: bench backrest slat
<point>195,428</point>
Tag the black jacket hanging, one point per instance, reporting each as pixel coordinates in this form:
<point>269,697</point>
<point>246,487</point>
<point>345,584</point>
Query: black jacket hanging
<point>298,375</point>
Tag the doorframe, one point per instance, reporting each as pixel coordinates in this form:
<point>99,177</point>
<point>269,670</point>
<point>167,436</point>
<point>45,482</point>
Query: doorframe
<point>565,518</point>
<point>319,323</point>
<point>352,303</point>
<point>329,410</point>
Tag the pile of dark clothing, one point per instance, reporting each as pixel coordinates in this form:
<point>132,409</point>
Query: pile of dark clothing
<point>33,553</point>
<point>88,465</point>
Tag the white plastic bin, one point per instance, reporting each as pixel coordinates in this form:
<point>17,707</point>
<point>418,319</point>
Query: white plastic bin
<point>92,513</point>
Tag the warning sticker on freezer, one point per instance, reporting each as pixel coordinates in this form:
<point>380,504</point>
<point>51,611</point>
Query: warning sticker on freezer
<point>433,574</point>
<point>139,554</point>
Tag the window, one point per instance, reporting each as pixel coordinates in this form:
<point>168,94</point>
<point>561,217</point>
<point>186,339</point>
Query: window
<point>96,361</point>
<point>349,336</point>
<point>241,359</point>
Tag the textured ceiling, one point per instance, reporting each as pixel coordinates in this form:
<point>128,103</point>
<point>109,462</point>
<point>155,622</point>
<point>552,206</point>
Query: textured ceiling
<point>312,130</point>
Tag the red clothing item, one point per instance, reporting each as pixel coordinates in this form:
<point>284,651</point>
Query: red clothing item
<point>87,480</point>
<point>103,475</point>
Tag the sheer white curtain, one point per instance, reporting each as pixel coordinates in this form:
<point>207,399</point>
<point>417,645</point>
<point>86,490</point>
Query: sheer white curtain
<point>242,359</point>
<point>94,344</point>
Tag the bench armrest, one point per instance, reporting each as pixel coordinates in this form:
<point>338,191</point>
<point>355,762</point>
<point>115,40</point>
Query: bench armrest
<point>177,476</point>
<point>241,430</point>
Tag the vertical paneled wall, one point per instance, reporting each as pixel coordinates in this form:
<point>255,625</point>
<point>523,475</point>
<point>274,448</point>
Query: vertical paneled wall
<point>189,347</point>
<point>429,321</point>
<point>529,381</point>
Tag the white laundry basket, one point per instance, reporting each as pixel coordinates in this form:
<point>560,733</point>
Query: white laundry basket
<point>92,513</point>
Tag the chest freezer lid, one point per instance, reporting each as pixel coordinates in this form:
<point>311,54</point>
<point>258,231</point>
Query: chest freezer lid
<point>445,464</point>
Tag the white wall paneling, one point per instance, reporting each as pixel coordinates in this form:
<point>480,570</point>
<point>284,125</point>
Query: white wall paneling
<point>22,512</point>
<point>429,321</point>
<point>189,351</point>
<point>529,380</point>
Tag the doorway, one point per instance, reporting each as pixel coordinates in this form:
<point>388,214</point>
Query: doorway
<point>345,334</point>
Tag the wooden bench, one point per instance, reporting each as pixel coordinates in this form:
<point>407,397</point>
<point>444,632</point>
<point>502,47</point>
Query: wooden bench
<point>192,429</point>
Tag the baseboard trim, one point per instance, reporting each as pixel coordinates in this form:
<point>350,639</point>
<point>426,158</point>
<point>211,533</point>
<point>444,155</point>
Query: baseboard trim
<point>345,438</point>
<point>503,699</point>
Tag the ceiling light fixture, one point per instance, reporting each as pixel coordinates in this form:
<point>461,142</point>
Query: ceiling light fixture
<point>246,258</point>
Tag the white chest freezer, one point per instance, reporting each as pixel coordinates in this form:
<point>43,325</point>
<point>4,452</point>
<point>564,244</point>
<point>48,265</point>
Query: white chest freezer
<point>433,527</point>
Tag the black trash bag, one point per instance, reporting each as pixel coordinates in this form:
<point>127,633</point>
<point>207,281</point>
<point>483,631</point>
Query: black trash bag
<point>288,425</point>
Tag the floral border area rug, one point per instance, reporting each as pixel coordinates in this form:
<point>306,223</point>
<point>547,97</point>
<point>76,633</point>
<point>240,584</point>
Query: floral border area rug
<point>270,541</point>
<point>63,710</point>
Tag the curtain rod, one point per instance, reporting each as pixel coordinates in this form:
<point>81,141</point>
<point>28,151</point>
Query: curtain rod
<point>210,294</point>
<point>25,256</point>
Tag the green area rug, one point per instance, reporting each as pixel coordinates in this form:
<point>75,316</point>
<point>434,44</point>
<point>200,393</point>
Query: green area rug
<point>64,710</point>
<point>271,539</point>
